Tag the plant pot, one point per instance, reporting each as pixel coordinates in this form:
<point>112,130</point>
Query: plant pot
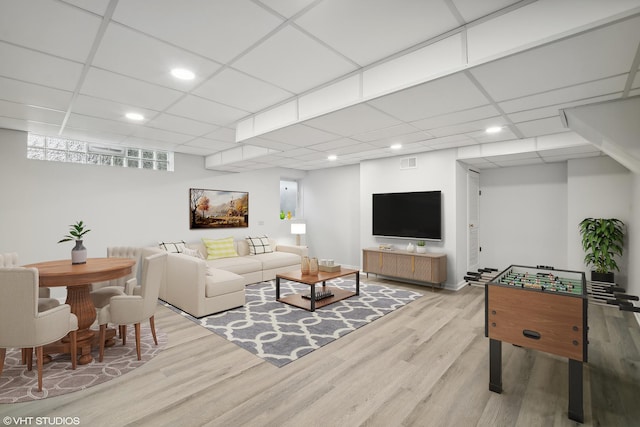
<point>607,277</point>
<point>79,253</point>
<point>421,249</point>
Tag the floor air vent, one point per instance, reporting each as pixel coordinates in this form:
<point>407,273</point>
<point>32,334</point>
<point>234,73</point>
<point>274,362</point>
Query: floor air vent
<point>409,163</point>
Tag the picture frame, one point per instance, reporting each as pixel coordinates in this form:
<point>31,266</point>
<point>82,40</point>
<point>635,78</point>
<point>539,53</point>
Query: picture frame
<point>218,209</point>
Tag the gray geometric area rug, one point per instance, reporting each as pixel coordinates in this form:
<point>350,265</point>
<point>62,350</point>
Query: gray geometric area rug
<point>280,333</point>
<point>17,384</point>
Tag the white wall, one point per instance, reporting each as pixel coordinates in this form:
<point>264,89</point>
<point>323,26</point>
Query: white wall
<point>598,187</point>
<point>633,239</point>
<point>121,206</point>
<point>523,213</point>
<point>435,171</point>
<point>332,214</point>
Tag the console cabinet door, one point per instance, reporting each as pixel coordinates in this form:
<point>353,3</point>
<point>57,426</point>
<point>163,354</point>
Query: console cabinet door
<point>406,267</point>
<point>423,269</point>
<point>389,265</point>
<point>372,262</point>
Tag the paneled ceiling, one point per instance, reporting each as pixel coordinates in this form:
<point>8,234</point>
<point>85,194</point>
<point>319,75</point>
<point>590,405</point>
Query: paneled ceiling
<point>76,67</point>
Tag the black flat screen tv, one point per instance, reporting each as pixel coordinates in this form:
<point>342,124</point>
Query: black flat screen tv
<point>415,215</point>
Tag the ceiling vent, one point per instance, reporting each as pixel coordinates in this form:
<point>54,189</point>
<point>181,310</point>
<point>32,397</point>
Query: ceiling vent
<point>409,163</point>
<point>101,149</point>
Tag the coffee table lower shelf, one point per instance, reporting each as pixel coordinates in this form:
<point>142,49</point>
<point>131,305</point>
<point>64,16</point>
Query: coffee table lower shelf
<point>297,300</point>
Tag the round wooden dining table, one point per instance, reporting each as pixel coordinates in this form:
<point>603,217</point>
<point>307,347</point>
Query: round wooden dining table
<point>78,279</point>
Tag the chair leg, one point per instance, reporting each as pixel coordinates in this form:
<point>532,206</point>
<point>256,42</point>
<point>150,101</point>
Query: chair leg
<point>101,338</point>
<point>29,359</point>
<point>123,333</point>
<point>24,355</point>
<point>137,326</point>
<point>152,323</point>
<point>3,353</point>
<point>74,348</point>
<point>39,356</point>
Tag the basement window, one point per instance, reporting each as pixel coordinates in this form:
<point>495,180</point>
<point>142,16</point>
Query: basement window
<point>290,198</point>
<point>56,149</point>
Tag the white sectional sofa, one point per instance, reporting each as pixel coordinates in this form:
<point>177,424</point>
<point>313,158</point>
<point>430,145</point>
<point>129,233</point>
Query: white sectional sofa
<point>201,287</point>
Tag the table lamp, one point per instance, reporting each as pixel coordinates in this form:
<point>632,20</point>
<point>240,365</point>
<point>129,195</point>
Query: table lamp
<point>298,229</point>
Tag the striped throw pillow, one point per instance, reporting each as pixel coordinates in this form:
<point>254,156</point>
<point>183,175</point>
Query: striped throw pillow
<point>220,248</point>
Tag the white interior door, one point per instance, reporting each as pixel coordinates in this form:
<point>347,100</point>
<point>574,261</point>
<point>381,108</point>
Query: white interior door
<point>473,220</point>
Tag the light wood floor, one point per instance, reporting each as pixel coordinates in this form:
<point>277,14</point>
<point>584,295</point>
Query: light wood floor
<point>424,365</point>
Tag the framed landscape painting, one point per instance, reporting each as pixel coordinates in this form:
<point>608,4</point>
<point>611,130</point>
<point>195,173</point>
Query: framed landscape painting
<point>218,209</point>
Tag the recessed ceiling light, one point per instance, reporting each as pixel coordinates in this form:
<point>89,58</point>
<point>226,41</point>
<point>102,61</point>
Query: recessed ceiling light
<point>134,116</point>
<point>332,157</point>
<point>494,129</point>
<point>396,146</point>
<point>182,74</point>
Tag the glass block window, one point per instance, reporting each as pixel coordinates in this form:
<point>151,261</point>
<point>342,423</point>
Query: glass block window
<point>57,149</point>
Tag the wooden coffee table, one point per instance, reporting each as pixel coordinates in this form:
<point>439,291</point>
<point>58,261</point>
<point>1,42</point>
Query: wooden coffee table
<point>311,303</point>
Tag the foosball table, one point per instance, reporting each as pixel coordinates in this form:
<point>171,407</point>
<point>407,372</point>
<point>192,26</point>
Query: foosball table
<point>540,308</point>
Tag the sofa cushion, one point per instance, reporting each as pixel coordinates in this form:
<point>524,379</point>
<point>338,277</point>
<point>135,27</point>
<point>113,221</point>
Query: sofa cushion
<point>277,260</point>
<point>259,245</point>
<point>238,265</point>
<point>220,248</point>
<point>220,282</point>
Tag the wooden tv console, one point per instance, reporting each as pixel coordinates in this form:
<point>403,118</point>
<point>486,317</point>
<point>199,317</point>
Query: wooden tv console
<point>429,267</point>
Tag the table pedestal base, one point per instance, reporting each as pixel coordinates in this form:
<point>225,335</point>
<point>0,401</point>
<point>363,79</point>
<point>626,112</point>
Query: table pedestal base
<point>85,345</point>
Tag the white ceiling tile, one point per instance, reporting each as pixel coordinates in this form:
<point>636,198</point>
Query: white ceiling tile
<point>568,151</point>
<point>473,9</point>
<point>369,30</point>
<point>469,127</point>
<point>115,87</point>
<point>565,157</point>
<point>149,143</point>
<point>196,151</point>
<point>634,92</point>
<point>212,145</point>
<point>453,93</point>
<point>33,67</point>
<point>574,61</point>
<point>353,120</point>
<point>219,30</point>
<point>452,144</point>
<point>91,135</point>
<point>300,135</point>
<point>385,133</point>
<point>26,112</point>
<point>554,110</point>
<point>287,8</point>
<point>522,162</point>
<point>137,55</point>
<point>96,6</point>
<point>469,115</point>
<point>293,61</point>
<point>266,143</point>
<point>32,94</point>
<point>87,123</point>
<point>567,94</point>
<point>160,135</point>
<point>241,91</point>
<point>402,139</point>
<point>181,124</point>
<point>542,127</point>
<point>223,134</point>
<point>482,136</point>
<point>102,108</point>
<point>58,28</point>
<point>206,111</point>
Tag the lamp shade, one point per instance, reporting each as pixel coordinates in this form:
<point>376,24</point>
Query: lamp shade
<point>297,228</point>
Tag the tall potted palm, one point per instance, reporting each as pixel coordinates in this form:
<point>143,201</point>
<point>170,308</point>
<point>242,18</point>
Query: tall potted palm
<point>602,241</point>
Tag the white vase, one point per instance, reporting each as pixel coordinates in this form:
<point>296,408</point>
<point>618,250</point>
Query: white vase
<point>421,249</point>
<point>79,253</point>
<point>410,247</point>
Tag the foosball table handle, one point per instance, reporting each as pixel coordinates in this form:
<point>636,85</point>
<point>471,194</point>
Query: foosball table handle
<point>629,308</point>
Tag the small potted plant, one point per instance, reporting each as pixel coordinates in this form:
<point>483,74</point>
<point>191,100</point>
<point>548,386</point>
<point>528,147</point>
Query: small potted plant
<point>76,232</point>
<point>602,240</point>
<point>420,247</point>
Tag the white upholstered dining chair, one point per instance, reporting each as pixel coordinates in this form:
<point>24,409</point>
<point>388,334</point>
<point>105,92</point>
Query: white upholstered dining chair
<point>22,325</point>
<point>102,292</point>
<point>45,302</point>
<point>137,306</point>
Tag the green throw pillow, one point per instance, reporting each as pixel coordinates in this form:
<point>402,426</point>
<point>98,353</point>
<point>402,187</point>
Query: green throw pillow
<point>220,248</point>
